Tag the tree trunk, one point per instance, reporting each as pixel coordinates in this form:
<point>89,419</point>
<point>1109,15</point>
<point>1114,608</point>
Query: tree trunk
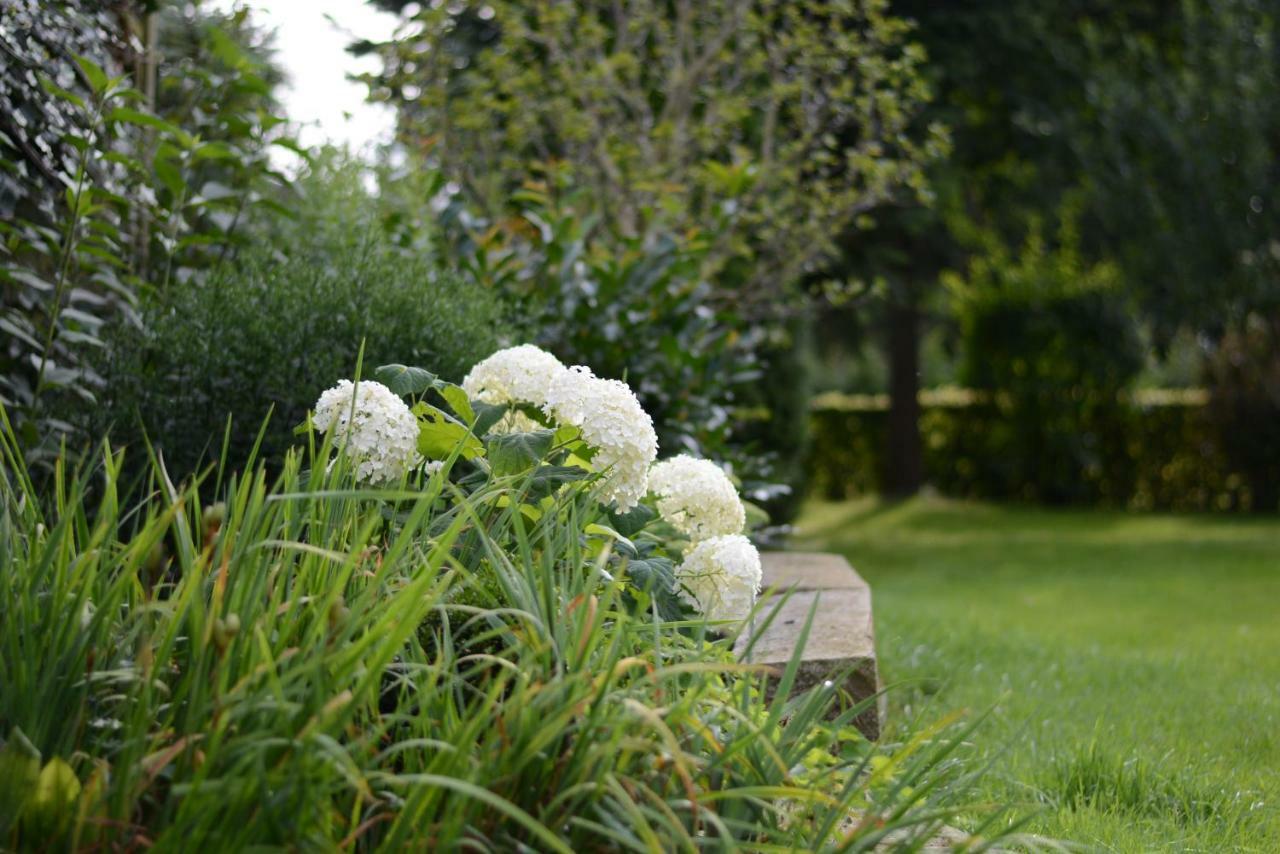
<point>904,462</point>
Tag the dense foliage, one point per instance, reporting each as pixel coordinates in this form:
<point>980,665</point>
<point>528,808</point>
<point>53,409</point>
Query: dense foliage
<point>1179,157</point>
<point>1244,377</point>
<point>665,175</point>
<point>641,311</point>
<point>1138,124</point>
<point>765,127</point>
<point>105,197</point>
<point>1053,343</point>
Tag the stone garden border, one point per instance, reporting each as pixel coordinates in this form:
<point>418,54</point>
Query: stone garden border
<point>841,642</point>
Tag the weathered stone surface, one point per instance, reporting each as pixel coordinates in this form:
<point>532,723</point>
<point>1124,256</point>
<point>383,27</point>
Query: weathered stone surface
<point>841,641</point>
<point>810,571</point>
<point>945,839</point>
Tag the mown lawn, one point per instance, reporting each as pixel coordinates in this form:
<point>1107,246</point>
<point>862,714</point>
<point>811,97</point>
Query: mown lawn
<point>1133,662</point>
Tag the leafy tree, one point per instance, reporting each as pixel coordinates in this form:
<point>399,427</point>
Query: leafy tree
<point>714,149</point>
<point>1020,87</point>
<point>217,80</point>
<point>1180,155</point>
<point>766,127</point>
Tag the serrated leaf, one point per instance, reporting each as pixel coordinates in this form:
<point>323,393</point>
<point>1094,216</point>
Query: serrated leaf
<point>169,174</point>
<point>656,577</point>
<point>97,77</point>
<point>214,151</point>
<point>126,115</point>
<point>547,479</point>
<point>487,415</point>
<point>438,435</point>
<point>512,453</point>
<point>458,401</point>
<point>58,92</point>
<point>633,521</point>
<point>405,380</point>
<point>652,574</point>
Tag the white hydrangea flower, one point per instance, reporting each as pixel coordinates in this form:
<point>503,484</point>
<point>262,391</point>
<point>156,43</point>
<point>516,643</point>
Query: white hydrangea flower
<point>611,421</point>
<point>381,440</point>
<point>520,374</point>
<point>722,575</point>
<point>697,498</point>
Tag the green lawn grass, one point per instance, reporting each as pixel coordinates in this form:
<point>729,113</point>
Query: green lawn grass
<point>1133,662</point>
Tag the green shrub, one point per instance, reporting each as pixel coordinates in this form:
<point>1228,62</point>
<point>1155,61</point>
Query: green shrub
<point>639,310</point>
<point>779,433</point>
<point>121,169</point>
<point>269,333</point>
<point>1051,340</point>
<point>1153,450</point>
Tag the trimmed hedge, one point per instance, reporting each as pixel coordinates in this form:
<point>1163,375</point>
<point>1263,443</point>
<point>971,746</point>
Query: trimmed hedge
<point>1154,450</point>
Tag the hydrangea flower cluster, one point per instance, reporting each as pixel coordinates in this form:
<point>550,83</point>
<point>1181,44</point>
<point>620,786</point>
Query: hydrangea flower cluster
<point>697,498</point>
<point>612,421</point>
<point>379,433</point>
<point>722,575</point>
<point>515,375</point>
<point>520,374</point>
<point>721,570</point>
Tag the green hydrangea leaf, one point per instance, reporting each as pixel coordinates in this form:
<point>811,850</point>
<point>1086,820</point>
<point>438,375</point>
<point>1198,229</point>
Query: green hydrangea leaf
<point>487,415</point>
<point>458,401</point>
<point>633,521</point>
<point>547,479</point>
<point>512,453</point>
<point>405,380</point>
<point>439,435</point>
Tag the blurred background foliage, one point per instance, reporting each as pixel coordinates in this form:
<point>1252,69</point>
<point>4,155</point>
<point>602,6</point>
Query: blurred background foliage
<point>1055,206</point>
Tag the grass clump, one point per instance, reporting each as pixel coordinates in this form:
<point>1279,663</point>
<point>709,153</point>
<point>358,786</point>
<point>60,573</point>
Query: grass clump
<point>1094,780</point>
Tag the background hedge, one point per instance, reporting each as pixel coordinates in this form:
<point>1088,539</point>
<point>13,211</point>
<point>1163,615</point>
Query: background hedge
<point>1151,450</point>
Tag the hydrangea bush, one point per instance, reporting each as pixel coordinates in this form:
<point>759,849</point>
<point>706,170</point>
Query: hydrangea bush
<point>430,631</point>
<point>671,530</point>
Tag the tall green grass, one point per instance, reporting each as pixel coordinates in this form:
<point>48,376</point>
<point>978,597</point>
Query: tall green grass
<point>308,665</point>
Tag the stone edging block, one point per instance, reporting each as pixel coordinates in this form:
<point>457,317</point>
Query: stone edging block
<point>841,642</point>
